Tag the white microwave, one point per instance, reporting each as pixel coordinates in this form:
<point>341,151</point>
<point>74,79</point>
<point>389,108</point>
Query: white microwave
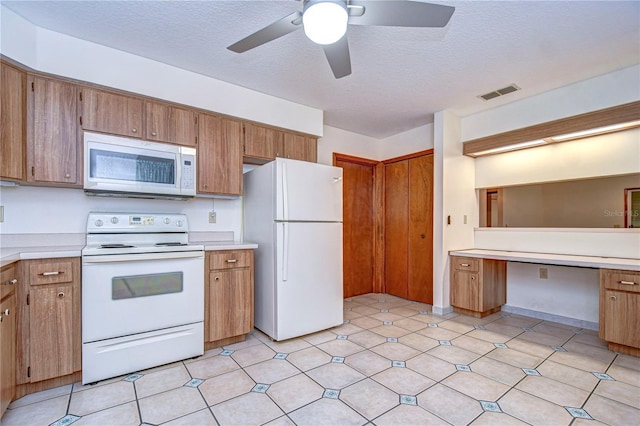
<point>117,166</point>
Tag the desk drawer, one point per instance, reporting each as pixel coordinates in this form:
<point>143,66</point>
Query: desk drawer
<point>230,259</point>
<point>51,272</point>
<point>465,263</point>
<point>621,280</point>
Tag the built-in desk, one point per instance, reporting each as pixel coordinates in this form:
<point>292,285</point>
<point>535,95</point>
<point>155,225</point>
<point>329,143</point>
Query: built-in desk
<point>619,289</point>
<point>553,259</point>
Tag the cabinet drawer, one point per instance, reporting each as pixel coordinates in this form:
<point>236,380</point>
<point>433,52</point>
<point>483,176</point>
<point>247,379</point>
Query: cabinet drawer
<point>465,263</point>
<point>8,280</point>
<point>621,280</point>
<point>230,259</point>
<point>50,273</point>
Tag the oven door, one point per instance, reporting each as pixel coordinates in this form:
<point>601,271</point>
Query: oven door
<point>134,293</point>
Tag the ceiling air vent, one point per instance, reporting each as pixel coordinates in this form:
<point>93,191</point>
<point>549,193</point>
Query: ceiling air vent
<point>499,92</point>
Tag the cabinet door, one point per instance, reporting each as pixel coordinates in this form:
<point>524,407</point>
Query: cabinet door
<point>113,113</point>
<point>230,303</point>
<point>166,123</point>
<point>622,318</point>
<point>51,334</point>
<point>12,100</point>
<point>52,142</point>
<point>219,155</point>
<point>7,351</point>
<point>465,291</point>
<point>261,142</point>
<point>300,147</point>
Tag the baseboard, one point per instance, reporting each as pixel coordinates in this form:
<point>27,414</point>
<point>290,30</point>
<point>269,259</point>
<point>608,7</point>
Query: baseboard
<point>578,323</point>
<point>441,311</point>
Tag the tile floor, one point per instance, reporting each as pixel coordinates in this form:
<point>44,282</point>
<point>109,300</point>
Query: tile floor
<point>391,363</point>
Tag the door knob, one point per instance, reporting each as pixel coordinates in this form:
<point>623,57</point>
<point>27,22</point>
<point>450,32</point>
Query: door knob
<point>613,298</point>
<point>422,236</point>
<point>61,294</point>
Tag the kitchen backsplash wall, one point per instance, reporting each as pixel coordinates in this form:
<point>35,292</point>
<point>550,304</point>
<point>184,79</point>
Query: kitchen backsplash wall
<point>31,210</point>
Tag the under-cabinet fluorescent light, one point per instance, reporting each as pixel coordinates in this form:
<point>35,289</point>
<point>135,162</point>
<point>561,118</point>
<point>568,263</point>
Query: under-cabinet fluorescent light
<point>596,131</point>
<point>510,147</point>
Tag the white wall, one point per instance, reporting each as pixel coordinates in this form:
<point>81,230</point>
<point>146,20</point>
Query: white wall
<point>341,141</point>
<point>454,197</point>
<point>56,53</point>
<point>568,292</point>
<point>345,142</point>
<point>32,210</point>
<point>605,155</point>
<point>615,88</point>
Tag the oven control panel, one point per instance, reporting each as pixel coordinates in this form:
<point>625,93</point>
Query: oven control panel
<point>128,222</point>
<point>143,220</point>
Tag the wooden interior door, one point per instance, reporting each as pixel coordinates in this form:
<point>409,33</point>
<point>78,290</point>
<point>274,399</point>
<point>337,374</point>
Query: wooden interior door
<point>420,265</point>
<point>396,220</point>
<point>358,224</point>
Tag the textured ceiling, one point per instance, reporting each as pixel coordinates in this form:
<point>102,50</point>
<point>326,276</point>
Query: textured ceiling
<point>400,77</point>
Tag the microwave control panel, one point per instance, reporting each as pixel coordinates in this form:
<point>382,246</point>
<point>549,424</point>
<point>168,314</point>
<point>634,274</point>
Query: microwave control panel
<point>188,171</point>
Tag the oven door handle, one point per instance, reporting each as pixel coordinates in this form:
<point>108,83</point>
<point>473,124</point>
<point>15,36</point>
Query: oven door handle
<point>141,256</point>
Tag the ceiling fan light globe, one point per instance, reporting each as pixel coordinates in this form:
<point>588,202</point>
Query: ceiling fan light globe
<point>325,22</point>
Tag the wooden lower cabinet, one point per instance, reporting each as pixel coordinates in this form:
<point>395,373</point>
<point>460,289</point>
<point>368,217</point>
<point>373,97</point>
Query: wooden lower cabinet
<point>478,287</point>
<point>620,310</point>
<point>49,330</point>
<point>228,296</point>
<point>8,337</point>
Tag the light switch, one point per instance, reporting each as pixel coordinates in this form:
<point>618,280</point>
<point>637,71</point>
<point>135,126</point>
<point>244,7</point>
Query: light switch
<point>1,213</point>
<point>544,273</point>
<point>212,217</point>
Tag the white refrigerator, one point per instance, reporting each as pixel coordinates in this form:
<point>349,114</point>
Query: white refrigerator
<point>293,210</point>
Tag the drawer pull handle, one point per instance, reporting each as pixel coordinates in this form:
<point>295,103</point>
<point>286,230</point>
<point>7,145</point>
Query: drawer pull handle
<point>473,278</point>
<point>466,265</point>
<point>61,294</point>
<point>47,274</point>
<point>216,278</point>
<point>613,298</point>
<point>232,260</point>
<point>627,283</point>
<point>10,282</point>
<point>6,312</point>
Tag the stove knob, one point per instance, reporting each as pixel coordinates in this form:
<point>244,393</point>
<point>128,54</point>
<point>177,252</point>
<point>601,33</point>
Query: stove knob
<point>179,223</point>
<point>114,220</point>
<point>167,220</point>
<point>98,222</point>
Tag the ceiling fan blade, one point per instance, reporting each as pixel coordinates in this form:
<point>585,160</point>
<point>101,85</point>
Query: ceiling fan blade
<point>395,13</point>
<point>338,56</point>
<point>271,32</point>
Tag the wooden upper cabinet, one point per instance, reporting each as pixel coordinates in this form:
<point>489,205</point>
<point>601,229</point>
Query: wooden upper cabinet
<point>219,155</point>
<point>12,99</point>
<point>299,147</point>
<point>261,143</point>
<point>53,156</point>
<point>112,113</point>
<point>167,123</point>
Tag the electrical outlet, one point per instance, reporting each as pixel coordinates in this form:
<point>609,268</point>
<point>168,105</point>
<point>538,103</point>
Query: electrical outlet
<point>212,217</point>
<point>465,219</point>
<point>544,273</point>
<point>1,213</point>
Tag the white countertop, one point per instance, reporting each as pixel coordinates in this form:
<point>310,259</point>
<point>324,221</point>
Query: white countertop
<point>553,259</point>
<point>12,254</point>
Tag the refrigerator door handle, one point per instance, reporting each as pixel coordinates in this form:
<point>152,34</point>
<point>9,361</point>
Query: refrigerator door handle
<point>285,251</point>
<point>285,190</point>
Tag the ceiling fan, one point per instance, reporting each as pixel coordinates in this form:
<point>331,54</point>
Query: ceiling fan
<point>325,23</point>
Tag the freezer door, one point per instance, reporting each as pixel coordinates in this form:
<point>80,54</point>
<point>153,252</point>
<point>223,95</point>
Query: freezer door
<point>309,278</point>
<point>308,191</point>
